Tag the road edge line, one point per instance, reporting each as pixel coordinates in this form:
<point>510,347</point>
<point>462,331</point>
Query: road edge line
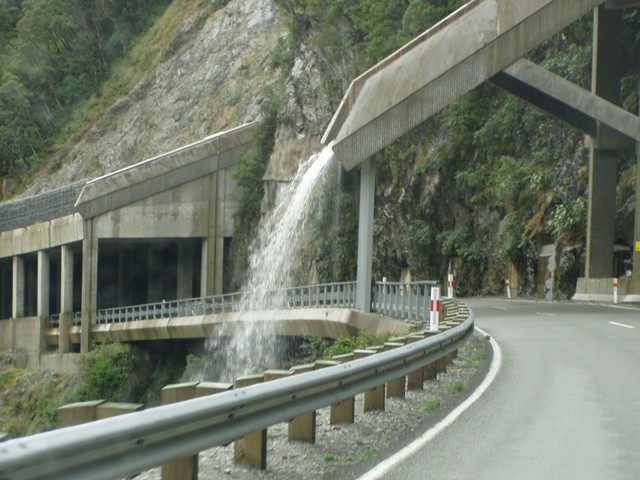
<point>383,467</point>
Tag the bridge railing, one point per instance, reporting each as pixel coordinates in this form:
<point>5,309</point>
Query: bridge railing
<point>403,300</point>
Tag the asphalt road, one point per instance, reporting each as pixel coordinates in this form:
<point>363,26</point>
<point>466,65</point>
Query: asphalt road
<point>564,405</point>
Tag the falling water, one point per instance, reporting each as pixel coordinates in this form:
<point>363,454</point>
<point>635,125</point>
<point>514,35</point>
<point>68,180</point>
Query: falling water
<point>273,258</point>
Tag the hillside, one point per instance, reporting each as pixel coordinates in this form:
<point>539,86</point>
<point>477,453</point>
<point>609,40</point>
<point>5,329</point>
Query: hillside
<point>485,184</point>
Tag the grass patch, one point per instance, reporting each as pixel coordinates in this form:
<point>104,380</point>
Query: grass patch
<point>455,387</point>
<point>368,453</point>
<point>329,457</point>
<point>431,405</point>
<point>479,357</point>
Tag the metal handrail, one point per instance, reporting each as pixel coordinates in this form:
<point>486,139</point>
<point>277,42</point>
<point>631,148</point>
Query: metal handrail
<point>134,442</point>
<point>403,300</point>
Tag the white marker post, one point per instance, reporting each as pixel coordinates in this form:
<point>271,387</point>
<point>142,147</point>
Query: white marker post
<point>450,285</point>
<point>508,285</point>
<point>615,291</point>
<point>434,310</point>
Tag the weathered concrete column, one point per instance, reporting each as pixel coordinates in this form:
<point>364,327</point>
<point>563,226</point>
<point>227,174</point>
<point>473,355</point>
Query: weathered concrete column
<point>44,269</point>
<point>606,74</point>
<point>185,270</point>
<point>17,299</point>
<point>365,235</point>
<point>43,294</point>
<point>212,246</point>
<point>89,284</point>
<point>66,298</point>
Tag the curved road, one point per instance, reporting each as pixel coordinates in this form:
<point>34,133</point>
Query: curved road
<point>565,403</point>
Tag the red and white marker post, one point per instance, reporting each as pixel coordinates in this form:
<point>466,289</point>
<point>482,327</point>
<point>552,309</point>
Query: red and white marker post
<point>450,290</point>
<point>434,309</point>
<point>508,285</point>
<point>615,291</point>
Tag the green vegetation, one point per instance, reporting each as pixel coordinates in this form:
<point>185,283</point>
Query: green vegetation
<point>430,405</point>
<point>330,457</point>
<point>364,339</point>
<point>368,453</point>
<point>455,387</point>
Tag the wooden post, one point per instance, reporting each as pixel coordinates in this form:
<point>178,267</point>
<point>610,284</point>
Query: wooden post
<point>397,387</point>
<point>303,427</point>
<point>344,411</point>
<point>185,468</point>
<point>415,379</point>
<point>374,398</point>
<point>252,448</point>
<point>77,413</point>
<point>113,409</point>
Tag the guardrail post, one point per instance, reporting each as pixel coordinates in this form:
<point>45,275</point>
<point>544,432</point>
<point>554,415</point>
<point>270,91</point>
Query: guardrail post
<point>112,409</point>
<point>185,468</point>
<point>396,387</point>
<point>344,411</point>
<point>415,379</point>
<point>252,448</point>
<point>211,388</point>
<point>77,413</point>
<point>303,427</point>
<point>374,398</point>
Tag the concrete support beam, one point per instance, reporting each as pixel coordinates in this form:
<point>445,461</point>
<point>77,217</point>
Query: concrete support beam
<point>365,235</point>
<point>621,4</point>
<point>18,289</point>
<point>44,270</point>
<point>66,298</point>
<point>89,284</point>
<point>607,71</point>
<point>568,102</point>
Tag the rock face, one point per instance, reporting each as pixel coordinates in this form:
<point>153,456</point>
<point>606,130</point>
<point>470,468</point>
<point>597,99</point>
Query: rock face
<point>212,83</point>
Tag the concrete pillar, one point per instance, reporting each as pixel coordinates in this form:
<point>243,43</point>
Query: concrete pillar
<point>211,269</point>
<point>606,74</point>
<point>365,235</point>
<point>66,298</point>
<point>44,268</point>
<point>18,282</point>
<point>89,284</point>
<point>185,270</point>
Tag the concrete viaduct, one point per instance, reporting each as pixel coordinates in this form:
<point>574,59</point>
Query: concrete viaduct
<point>160,230</point>
<point>487,40</point>
<point>157,230</point>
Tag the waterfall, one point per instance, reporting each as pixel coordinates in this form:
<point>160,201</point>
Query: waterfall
<point>252,346</point>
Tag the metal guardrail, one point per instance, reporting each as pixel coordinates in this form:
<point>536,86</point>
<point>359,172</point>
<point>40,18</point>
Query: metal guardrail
<point>127,444</point>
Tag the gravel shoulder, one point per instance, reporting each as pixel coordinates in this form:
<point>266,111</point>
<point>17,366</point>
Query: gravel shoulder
<point>348,451</point>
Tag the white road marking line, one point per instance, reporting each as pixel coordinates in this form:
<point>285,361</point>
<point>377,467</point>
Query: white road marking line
<point>546,314</point>
<point>498,308</point>
<point>621,325</point>
<point>382,468</point>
